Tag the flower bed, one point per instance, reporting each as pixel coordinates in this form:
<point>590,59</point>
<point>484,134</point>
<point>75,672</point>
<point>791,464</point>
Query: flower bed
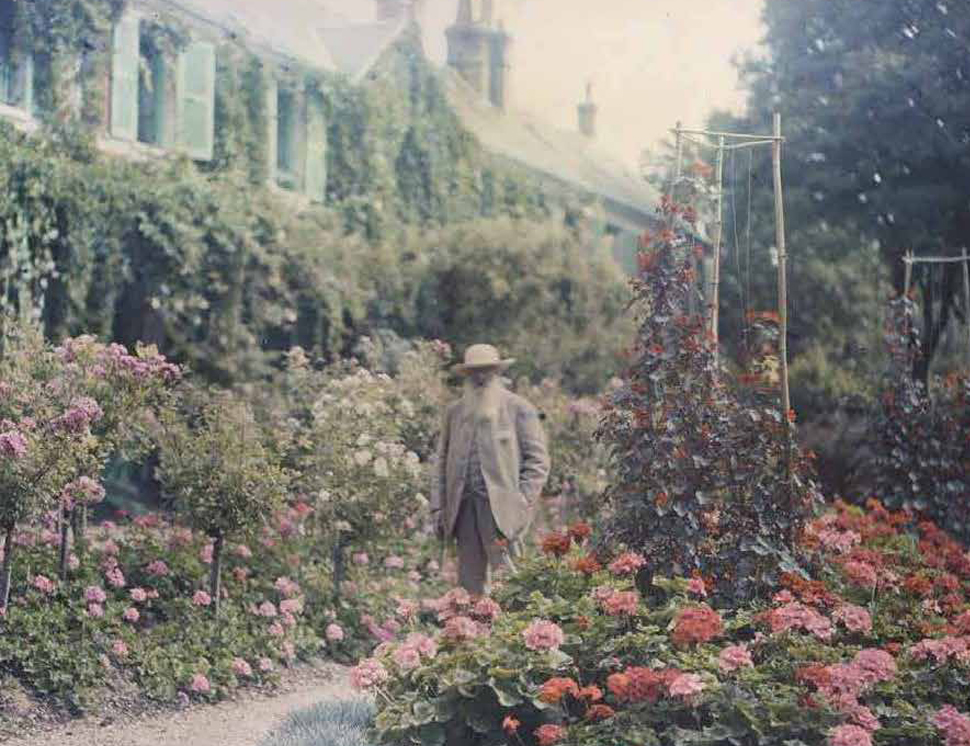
<point>873,649</point>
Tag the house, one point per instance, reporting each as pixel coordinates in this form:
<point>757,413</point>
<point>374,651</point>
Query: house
<point>161,97</point>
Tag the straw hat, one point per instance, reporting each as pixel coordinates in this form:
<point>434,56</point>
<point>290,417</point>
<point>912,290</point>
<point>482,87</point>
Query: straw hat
<point>482,356</point>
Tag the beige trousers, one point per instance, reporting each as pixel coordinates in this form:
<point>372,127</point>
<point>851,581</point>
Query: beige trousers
<point>481,547</point>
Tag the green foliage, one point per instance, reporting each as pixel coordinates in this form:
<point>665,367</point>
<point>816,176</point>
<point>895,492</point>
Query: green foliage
<point>216,468</point>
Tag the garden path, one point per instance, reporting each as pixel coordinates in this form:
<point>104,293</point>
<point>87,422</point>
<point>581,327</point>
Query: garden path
<point>244,721</point>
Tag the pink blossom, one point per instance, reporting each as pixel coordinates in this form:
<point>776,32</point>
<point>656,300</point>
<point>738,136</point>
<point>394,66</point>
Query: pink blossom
<point>486,608</point>
<point>138,594</point>
<point>542,634</point>
<point>414,576</point>
<point>360,558</point>
<point>73,562</point>
<point>288,620</point>
<point>82,413</point>
<point>855,618</point>
<point>83,490</point>
<point>95,610</point>
<point>838,541</point>
<point>201,598</point>
<point>407,658</point>
<point>131,615</point>
<point>43,584</point>
<point>13,444</point>
<point>686,685</point>
<point>368,674</point>
<point>627,563</point>
<point>849,735</point>
<point>334,632</point>
<point>460,628</point>
<point>119,648</point>
<point>861,573</point>
<point>286,587</point>
<point>110,547</point>
<point>266,609</point>
<point>276,629</point>
<point>953,724</point>
<point>95,594</point>
<point>796,615</point>
<point>200,684</point>
<point>406,610</point>
<point>291,606</point>
<point>243,551</point>
<point>394,562</point>
<point>424,644</point>
<point>240,573</point>
<point>621,602</point>
<point>696,585</point>
<point>265,665</point>
<point>115,578</point>
<point>205,553</point>
<point>941,649</point>
<point>241,668</point>
<point>877,665</point>
<point>157,568</point>
<point>734,657</point>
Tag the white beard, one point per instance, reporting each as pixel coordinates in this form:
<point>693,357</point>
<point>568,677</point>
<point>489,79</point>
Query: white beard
<point>482,403</point>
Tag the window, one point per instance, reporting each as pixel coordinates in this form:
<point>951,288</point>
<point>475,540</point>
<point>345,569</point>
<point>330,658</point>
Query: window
<point>16,70</point>
<point>156,102</point>
<point>286,139</point>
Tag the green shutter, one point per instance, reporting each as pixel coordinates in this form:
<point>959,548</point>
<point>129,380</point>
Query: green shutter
<point>196,110</point>
<point>272,129</point>
<point>316,149</point>
<point>124,78</point>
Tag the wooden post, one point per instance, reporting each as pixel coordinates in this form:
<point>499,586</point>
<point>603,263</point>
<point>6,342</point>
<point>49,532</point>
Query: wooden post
<point>715,284</point>
<point>908,275</point>
<point>679,156</point>
<point>966,302</point>
<point>782,276</point>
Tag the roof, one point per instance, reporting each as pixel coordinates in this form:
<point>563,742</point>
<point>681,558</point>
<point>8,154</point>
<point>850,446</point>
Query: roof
<point>314,32</point>
<point>567,156</point>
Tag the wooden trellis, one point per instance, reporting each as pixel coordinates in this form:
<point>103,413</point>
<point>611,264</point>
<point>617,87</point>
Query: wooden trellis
<point>724,142</point>
<point>909,259</point>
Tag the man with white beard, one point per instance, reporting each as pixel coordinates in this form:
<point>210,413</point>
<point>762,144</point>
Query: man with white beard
<point>492,464</point>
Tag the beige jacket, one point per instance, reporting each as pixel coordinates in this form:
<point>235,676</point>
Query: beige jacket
<point>514,458</point>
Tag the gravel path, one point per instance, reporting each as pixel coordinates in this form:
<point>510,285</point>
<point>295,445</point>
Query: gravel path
<point>244,721</point>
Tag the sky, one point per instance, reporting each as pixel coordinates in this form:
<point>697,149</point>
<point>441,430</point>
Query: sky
<point>651,62</point>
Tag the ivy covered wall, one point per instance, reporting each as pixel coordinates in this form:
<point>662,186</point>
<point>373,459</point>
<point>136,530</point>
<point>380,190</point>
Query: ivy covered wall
<point>203,258</point>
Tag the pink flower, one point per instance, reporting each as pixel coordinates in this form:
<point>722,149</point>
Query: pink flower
<point>334,632</point>
<point>783,597</point>
<point>855,618</point>
<point>43,584</point>
<point>72,561</point>
<point>796,615</point>
<point>696,585</point>
<point>487,609</point>
<point>686,685</point>
<point>276,629</point>
<point>200,684</point>
<point>115,578</point>
<point>243,551</point>
<point>425,645</point>
<point>621,602</point>
<point>95,610</point>
<point>201,598</point>
<point>240,573</point>
<point>941,649</point>
<point>119,648</point>
<point>734,657</point>
<point>542,634</point>
<point>407,658</point>
<point>849,735</point>
<point>131,615</point>
<point>549,734</point>
<point>286,587</point>
<point>291,606</point>
<point>878,665</point>
<point>460,628</point>
<point>860,573</point>
<point>627,563</point>
<point>394,563</point>
<point>266,609</point>
<point>360,558</point>
<point>953,724</point>
<point>241,668</point>
<point>95,594</point>
<point>13,444</point>
<point>368,674</point>
<point>138,594</point>
<point>838,541</point>
<point>205,554</point>
<point>265,665</point>
<point>406,610</point>
<point>288,620</point>
<point>157,568</point>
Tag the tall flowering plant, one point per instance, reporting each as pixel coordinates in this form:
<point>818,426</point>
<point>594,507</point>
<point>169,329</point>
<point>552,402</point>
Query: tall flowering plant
<point>218,471</point>
<point>704,482</point>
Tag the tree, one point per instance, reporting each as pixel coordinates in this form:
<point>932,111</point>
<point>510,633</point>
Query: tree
<point>875,103</point>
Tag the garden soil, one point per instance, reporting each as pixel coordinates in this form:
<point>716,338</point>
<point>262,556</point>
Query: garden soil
<point>245,720</point>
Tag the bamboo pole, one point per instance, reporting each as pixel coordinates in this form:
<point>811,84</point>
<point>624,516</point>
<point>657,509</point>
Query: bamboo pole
<point>715,293</point>
<point>782,275</point>
<point>908,274</point>
<point>966,302</point>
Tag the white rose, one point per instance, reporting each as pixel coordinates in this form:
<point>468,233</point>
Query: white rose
<point>362,456</point>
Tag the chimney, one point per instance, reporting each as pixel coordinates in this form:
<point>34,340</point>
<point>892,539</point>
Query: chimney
<point>587,114</point>
<point>392,10</point>
<point>469,49</point>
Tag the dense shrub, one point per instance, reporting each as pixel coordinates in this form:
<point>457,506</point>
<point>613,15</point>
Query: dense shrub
<point>336,723</point>
<point>873,649</point>
<point>703,480</point>
<point>922,451</point>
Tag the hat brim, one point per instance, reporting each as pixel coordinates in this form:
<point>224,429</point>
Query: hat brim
<point>463,368</point>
